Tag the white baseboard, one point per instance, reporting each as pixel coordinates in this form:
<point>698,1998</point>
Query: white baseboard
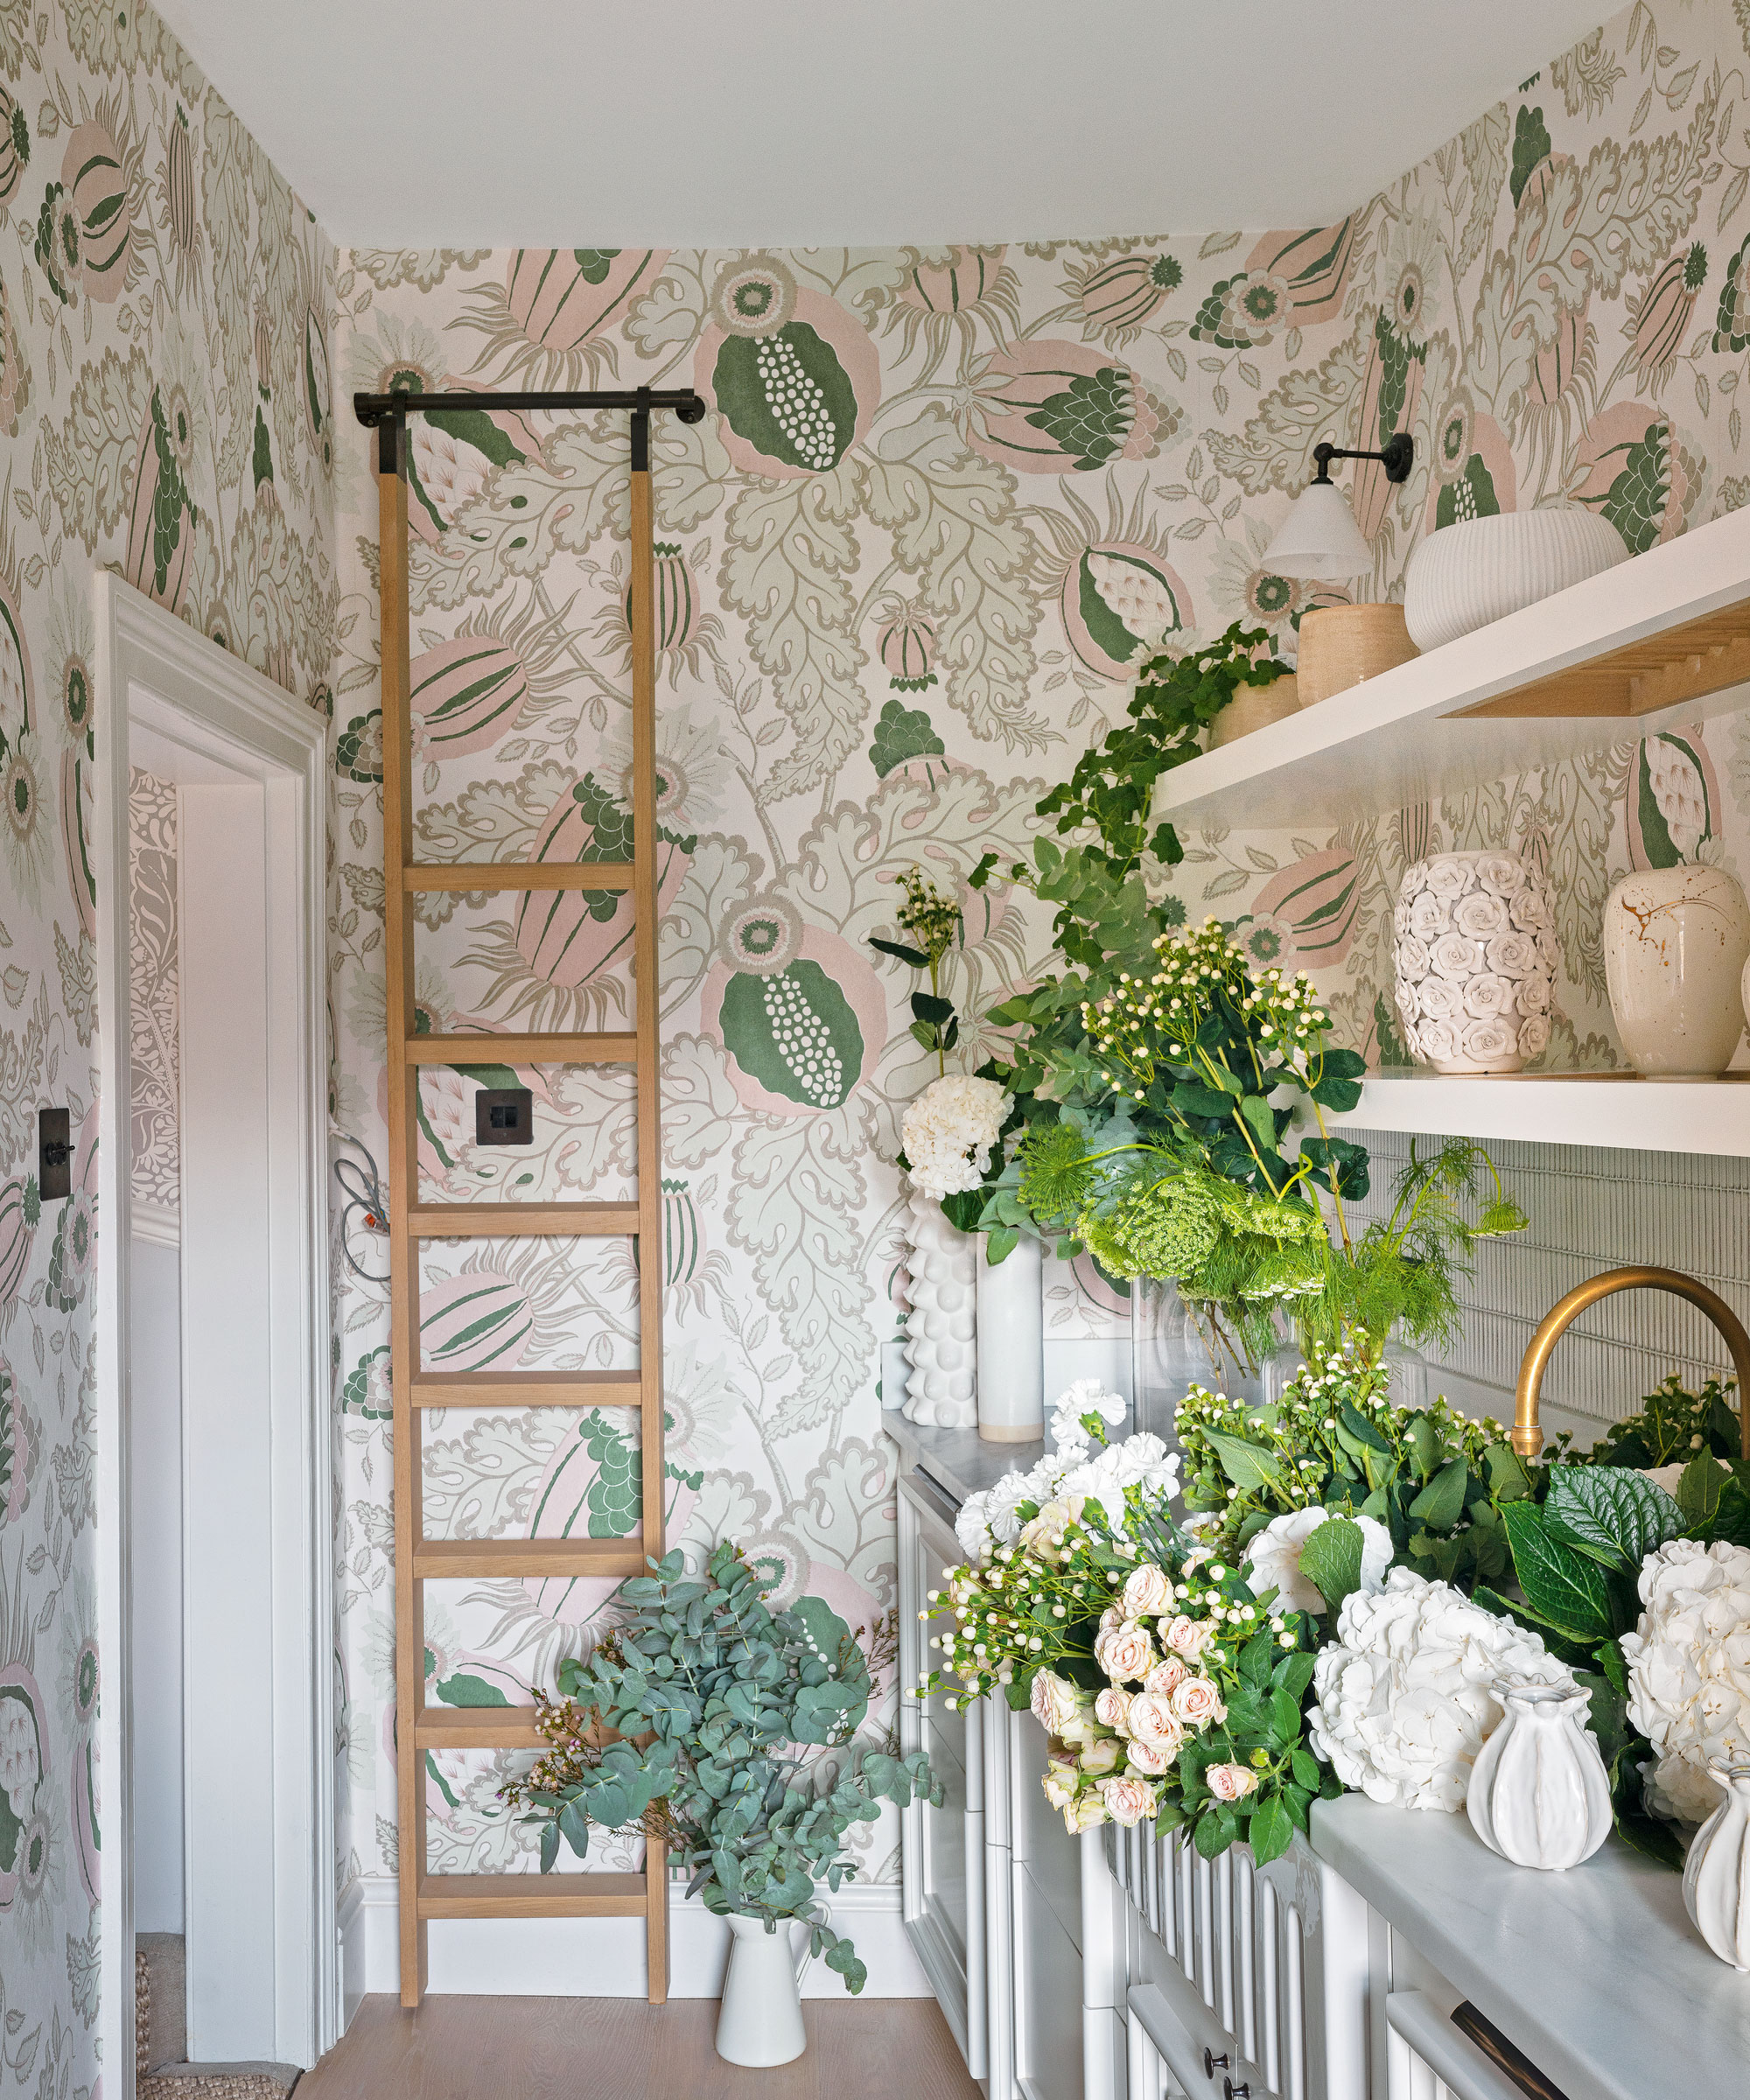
<point>599,1958</point>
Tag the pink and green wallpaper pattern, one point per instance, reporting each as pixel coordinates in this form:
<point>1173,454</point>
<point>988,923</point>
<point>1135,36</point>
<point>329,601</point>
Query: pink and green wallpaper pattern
<point>166,312</point>
<point>902,565</point>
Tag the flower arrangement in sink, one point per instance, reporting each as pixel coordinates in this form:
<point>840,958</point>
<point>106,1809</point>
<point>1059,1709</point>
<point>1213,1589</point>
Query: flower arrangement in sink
<point>1336,1594</point>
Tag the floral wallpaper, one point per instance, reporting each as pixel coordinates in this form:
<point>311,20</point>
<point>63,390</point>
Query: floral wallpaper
<point>154,1005</point>
<point>902,565</point>
<point>164,315</point>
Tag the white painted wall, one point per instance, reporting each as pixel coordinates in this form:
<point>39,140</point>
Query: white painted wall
<point>155,1340</point>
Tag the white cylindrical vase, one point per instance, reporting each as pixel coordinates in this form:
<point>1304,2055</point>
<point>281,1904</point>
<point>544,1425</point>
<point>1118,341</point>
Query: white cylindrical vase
<point>1717,1871</point>
<point>1011,1343</point>
<point>941,1389</point>
<point>1676,942</point>
<point>1475,955</point>
<point>1539,1794</point>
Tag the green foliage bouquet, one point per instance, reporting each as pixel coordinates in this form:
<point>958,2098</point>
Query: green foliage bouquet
<point>707,1718</point>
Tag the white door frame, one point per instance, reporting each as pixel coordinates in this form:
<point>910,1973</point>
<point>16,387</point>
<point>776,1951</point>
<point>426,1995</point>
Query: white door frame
<point>160,681</point>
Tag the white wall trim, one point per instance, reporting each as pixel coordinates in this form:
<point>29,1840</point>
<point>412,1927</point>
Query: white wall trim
<point>603,1957</point>
<point>158,1224</point>
<point>160,682</point>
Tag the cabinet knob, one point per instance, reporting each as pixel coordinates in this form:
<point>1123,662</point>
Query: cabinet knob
<point>1213,2063</point>
<point>1230,2091</point>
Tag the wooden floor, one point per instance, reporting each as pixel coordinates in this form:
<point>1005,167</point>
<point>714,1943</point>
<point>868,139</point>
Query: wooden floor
<point>611,2049</point>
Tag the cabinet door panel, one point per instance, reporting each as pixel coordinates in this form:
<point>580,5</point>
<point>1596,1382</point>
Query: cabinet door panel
<point>1048,1997</point>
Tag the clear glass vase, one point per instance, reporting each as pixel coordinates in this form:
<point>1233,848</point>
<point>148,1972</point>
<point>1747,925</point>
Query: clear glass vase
<point>1170,1349</point>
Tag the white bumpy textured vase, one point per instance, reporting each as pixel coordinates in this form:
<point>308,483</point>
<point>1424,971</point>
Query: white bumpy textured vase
<point>1475,956</point>
<point>1676,941</point>
<point>1464,576</point>
<point>1538,1794</point>
<point>760,2022</point>
<point>1011,1343</point>
<point>940,1328</point>
<point>1717,1871</point>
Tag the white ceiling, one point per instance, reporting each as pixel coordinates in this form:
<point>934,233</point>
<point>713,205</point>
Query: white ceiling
<point>422,124</point>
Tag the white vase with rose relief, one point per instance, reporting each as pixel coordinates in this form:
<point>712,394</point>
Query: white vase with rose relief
<point>1475,960</point>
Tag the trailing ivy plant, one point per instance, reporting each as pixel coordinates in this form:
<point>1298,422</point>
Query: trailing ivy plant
<point>708,1718</point>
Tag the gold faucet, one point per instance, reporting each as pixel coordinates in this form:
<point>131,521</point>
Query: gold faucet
<point>1528,1438</point>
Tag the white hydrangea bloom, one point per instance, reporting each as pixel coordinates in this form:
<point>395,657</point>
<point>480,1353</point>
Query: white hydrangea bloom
<point>1406,1698</point>
<point>1274,1558</point>
<point>949,1132</point>
<point>1086,1397</point>
<point>1688,1670</point>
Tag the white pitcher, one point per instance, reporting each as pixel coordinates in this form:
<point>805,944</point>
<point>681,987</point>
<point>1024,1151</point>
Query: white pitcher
<point>760,2023</point>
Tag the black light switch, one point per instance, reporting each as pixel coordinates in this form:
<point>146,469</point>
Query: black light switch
<point>504,1116</point>
<point>54,1154</point>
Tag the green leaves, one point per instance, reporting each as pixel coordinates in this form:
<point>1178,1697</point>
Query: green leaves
<point>1332,1559</point>
<point>1249,1466</point>
<point>1609,1513</point>
<point>1563,1586</point>
<point>1698,1490</point>
<point>1271,1829</point>
<point>915,957</point>
<point>1441,1504</point>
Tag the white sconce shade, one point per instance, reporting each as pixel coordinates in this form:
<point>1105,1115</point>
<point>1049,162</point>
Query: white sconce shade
<point>1319,539</point>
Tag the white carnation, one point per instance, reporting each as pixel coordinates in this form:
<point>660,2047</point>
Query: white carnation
<point>949,1132</point>
<point>1688,1670</point>
<point>972,1526</point>
<point>1274,1558</point>
<point>1404,1695</point>
<point>1086,1397</point>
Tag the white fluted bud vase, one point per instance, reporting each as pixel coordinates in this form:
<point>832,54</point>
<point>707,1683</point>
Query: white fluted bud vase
<point>941,1392</point>
<point>1539,1794</point>
<point>1716,1872</point>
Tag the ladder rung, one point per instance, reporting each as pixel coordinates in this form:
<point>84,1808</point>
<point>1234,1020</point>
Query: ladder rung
<point>531,1895</point>
<point>437,1560</point>
<point>521,1221</point>
<point>477,1728</point>
<point>529,1388</point>
<point>521,1049</point>
<point>520,875</point>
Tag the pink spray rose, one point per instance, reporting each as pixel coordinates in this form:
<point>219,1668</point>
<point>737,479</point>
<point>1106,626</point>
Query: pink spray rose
<point>1230,1782</point>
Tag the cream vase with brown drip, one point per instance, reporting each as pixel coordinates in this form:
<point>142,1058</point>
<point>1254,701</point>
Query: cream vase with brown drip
<point>1676,942</point>
<point>1342,645</point>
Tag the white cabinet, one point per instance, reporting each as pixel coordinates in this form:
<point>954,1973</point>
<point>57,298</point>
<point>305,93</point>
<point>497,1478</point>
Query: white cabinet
<point>941,1850</point>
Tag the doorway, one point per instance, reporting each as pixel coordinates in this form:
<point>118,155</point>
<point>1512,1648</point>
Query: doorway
<point>215,1587</point>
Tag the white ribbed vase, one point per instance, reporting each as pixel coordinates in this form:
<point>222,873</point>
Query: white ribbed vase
<point>1464,576</point>
<point>1538,1794</point>
<point>1717,1871</point>
<point>941,1392</point>
<point>1475,955</point>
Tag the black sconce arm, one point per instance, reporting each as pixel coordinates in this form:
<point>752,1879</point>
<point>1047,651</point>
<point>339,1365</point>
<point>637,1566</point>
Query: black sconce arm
<point>1397,455</point>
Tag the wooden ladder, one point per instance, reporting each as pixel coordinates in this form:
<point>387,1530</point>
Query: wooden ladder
<point>420,1729</point>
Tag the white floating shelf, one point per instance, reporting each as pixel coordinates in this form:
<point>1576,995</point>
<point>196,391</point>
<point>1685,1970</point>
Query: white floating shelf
<point>1664,638</point>
<point>1606,1109</point>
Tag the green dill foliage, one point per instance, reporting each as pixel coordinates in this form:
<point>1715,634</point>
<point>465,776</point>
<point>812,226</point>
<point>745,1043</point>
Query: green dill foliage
<point>934,923</point>
<point>1404,1269</point>
<point>1671,1426</point>
<point>726,1713</point>
<point>1438,1481</point>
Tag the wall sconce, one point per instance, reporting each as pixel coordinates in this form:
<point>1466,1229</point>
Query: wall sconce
<point>1319,539</point>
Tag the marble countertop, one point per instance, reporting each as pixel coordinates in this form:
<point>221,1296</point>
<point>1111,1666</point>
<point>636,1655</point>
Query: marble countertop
<point>959,1461</point>
<point>1597,1973</point>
